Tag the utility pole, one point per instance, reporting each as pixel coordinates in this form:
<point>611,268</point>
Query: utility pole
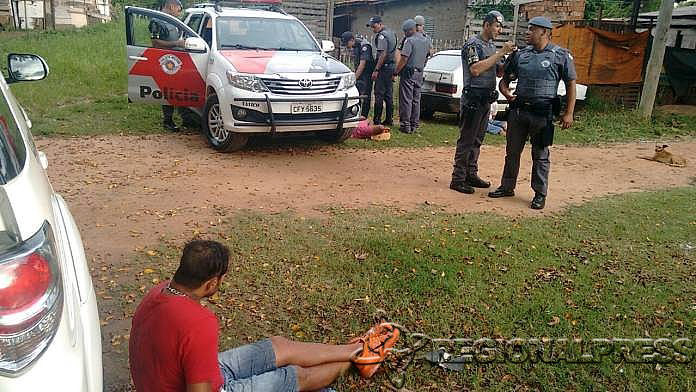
<point>657,56</point>
<point>634,13</point>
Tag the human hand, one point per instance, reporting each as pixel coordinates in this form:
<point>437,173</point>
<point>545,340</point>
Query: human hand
<point>374,75</point>
<point>567,120</point>
<point>508,47</point>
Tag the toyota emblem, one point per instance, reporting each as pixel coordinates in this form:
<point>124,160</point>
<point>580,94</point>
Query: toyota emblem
<point>305,83</point>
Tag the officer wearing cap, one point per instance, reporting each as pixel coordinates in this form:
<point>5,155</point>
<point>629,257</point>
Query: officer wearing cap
<point>167,36</point>
<point>364,62</point>
<point>420,28</point>
<point>385,47</point>
<point>482,63</point>
<point>538,69</point>
<point>410,66</point>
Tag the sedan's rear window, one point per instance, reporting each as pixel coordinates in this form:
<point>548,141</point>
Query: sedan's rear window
<point>13,152</point>
<point>444,62</point>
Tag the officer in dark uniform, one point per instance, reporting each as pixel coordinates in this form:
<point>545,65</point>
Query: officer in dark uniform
<point>482,62</point>
<point>410,66</point>
<point>420,28</point>
<point>364,62</point>
<point>385,47</point>
<point>538,69</point>
<point>167,36</point>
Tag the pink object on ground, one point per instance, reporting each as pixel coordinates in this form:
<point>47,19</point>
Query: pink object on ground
<point>362,131</point>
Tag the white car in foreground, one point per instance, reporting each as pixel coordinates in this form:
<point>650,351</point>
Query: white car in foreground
<point>247,68</point>
<point>50,337</point>
<point>443,85</point>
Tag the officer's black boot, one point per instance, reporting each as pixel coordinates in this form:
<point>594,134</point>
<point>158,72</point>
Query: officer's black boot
<point>189,119</point>
<point>539,202</point>
<point>462,187</point>
<point>501,192</point>
<point>477,182</point>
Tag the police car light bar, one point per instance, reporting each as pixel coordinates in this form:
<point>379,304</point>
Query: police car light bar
<point>267,5</point>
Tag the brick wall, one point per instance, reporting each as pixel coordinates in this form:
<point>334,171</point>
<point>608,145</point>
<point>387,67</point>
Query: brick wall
<point>447,16</point>
<point>554,10</point>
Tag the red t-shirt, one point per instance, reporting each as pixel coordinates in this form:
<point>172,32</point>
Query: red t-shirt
<point>173,343</point>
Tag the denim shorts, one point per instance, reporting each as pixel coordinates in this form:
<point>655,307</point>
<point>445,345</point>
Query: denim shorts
<point>252,368</point>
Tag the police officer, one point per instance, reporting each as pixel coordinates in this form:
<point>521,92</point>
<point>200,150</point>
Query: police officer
<point>538,68</point>
<point>364,62</point>
<point>167,36</point>
<point>385,47</point>
<point>420,28</point>
<point>410,67</point>
<point>482,61</point>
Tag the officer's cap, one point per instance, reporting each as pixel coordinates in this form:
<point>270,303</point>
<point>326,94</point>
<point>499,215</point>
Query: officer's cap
<point>347,36</point>
<point>408,25</point>
<point>373,20</point>
<point>170,2</point>
<point>420,20</point>
<point>540,21</point>
<point>494,16</point>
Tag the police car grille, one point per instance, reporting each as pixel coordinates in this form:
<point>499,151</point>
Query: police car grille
<point>292,86</point>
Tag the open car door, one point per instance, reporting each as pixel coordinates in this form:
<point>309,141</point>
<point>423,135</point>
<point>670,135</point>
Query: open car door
<point>167,61</point>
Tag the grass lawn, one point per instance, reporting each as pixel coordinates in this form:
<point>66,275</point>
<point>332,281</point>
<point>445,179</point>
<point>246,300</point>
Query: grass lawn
<point>86,95</point>
<point>621,267</point>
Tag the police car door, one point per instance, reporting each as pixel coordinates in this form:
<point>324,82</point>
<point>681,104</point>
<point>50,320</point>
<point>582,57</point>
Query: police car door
<point>172,76</point>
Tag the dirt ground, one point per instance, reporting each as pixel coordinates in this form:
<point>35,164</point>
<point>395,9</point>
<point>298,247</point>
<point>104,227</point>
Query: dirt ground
<point>127,192</point>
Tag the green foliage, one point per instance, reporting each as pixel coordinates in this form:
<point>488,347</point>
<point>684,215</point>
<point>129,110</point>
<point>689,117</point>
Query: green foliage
<point>607,9</point>
<point>481,8</point>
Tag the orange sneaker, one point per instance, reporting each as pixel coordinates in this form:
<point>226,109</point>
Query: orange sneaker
<point>377,344</point>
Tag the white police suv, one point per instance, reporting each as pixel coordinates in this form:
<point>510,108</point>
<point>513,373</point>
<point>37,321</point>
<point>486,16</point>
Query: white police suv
<point>50,337</point>
<point>247,68</point>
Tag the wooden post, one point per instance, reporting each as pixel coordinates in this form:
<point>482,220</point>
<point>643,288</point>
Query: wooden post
<point>657,56</point>
<point>634,14</point>
<point>515,22</point>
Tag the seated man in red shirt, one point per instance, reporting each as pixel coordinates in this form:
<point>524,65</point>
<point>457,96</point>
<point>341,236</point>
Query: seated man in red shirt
<point>174,340</point>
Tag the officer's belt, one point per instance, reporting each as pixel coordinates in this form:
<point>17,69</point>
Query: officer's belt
<point>484,95</point>
<point>542,107</point>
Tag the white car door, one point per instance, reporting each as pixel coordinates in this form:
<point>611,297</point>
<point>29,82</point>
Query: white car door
<point>172,76</point>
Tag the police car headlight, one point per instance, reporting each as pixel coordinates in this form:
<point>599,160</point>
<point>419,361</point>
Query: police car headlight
<point>246,82</point>
<point>347,81</point>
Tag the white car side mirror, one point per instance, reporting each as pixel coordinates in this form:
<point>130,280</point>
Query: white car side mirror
<point>43,159</point>
<point>327,46</point>
<point>195,44</point>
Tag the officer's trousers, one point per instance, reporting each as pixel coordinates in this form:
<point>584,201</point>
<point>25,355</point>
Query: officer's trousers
<point>409,100</point>
<point>364,86</point>
<point>472,131</point>
<point>384,95</point>
<point>189,117</point>
<point>521,126</point>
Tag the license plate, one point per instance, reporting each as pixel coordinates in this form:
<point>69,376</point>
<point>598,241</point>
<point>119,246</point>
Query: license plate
<point>428,86</point>
<point>306,107</point>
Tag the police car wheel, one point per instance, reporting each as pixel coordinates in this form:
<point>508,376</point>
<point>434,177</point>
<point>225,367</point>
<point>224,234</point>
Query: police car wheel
<point>337,136</point>
<point>218,137</point>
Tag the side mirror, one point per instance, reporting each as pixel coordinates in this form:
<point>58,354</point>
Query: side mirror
<point>26,67</point>
<point>327,46</point>
<point>195,44</point>
<point>43,159</point>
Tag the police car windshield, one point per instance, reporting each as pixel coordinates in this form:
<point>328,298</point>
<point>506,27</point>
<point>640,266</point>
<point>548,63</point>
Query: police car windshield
<point>444,62</point>
<point>264,34</point>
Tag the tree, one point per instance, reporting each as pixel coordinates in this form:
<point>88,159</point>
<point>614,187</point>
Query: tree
<point>617,8</point>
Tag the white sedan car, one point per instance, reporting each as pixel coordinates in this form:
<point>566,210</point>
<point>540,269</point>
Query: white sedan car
<point>443,85</point>
<point>50,338</point>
